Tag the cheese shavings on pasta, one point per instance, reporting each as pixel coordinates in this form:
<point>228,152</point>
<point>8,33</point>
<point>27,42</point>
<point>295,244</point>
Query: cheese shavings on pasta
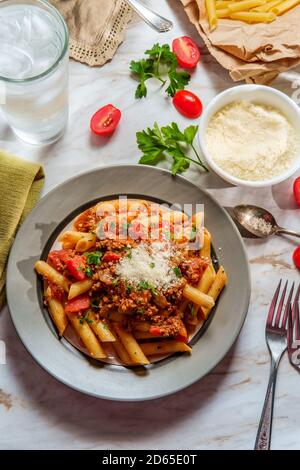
<point>150,264</point>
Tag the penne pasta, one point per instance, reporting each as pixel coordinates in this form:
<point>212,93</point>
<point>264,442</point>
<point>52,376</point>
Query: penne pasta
<point>223,4</point>
<point>143,335</point>
<point>206,248</point>
<point>57,314</point>
<point>122,353</point>
<point>284,6</point>
<point>87,336</point>
<point>211,13</point>
<point>245,5</point>
<point>197,297</point>
<point>45,270</point>
<point>130,344</point>
<point>216,288</point>
<point>101,329</point>
<point>86,242</point>
<point>223,13</point>
<point>164,347</point>
<point>253,17</point>
<point>69,239</point>
<point>80,287</point>
<point>267,6</point>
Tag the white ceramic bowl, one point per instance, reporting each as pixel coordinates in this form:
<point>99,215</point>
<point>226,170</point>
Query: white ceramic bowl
<point>259,94</point>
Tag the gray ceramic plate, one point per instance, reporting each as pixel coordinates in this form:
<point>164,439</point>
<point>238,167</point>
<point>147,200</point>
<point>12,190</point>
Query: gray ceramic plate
<point>70,366</point>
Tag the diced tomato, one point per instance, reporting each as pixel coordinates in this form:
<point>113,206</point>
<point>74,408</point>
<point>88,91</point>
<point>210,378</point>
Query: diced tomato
<point>296,189</point>
<point>186,51</point>
<point>82,302</point>
<point>155,330</point>
<point>76,267</point>
<point>182,338</point>
<point>56,292</point>
<point>188,104</point>
<point>111,256</point>
<point>105,120</point>
<point>296,257</point>
<point>57,258</point>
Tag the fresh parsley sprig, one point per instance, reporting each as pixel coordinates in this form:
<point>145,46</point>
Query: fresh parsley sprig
<point>160,62</point>
<point>157,143</point>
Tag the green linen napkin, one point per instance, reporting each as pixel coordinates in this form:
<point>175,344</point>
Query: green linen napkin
<point>20,186</point>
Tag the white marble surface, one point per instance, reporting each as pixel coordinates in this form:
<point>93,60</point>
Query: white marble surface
<point>221,411</point>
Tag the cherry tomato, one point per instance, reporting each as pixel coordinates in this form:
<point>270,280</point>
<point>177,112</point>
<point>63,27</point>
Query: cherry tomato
<point>296,257</point>
<point>186,51</point>
<point>297,190</point>
<point>188,104</point>
<point>105,120</point>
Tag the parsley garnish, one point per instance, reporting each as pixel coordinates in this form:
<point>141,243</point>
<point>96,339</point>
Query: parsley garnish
<point>157,143</point>
<point>193,310</point>
<point>152,265</point>
<point>147,286</point>
<point>85,318</point>
<point>89,271</point>
<point>129,288</point>
<point>95,304</point>
<point>160,61</point>
<point>140,311</point>
<point>93,257</point>
<point>177,271</point>
<point>115,281</point>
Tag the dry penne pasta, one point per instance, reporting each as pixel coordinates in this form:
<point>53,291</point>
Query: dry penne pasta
<point>223,13</point>
<point>130,344</point>
<point>49,273</point>
<point>245,5</point>
<point>216,288</point>
<point>101,329</point>
<point>87,336</point>
<point>284,6</point>
<point>194,295</point>
<point>253,16</point>
<point>222,4</point>
<point>211,13</point>
<point>267,6</point>
<point>164,347</point>
<point>80,287</point>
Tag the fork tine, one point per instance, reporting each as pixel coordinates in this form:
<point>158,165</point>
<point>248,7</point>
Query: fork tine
<point>297,293</point>
<point>296,320</point>
<point>289,335</point>
<point>280,306</point>
<point>284,323</point>
<point>273,305</point>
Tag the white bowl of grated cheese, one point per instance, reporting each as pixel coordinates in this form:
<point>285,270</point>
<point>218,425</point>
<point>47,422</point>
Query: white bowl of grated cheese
<point>250,136</point>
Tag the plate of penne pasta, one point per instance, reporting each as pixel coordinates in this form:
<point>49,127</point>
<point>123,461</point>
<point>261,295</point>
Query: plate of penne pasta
<point>132,287</point>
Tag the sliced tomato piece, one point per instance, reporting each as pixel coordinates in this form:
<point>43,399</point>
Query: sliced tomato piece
<point>76,267</point>
<point>188,104</point>
<point>155,330</point>
<point>186,51</point>
<point>296,189</point>
<point>57,292</point>
<point>296,257</point>
<point>82,302</point>
<point>111,256</point>
<point>105,120</point>
<point>57,259</point>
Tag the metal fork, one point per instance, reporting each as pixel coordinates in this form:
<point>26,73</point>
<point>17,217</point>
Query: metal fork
<point>156,21</point>
<point>276,341</point>
<point>293,333</point>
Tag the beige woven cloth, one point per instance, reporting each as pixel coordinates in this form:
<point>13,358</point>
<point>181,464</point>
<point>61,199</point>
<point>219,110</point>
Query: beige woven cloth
<point>96,27</point>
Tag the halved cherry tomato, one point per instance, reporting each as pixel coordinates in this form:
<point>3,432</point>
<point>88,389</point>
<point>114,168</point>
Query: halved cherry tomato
<point>110,256</point>
<point>105,120</point>
<point>186,51</point>
<point>57,259</point>
<point>296,257</point>
<point>155,330</point>
<point>82,302</point>
<point>188,104</point>
<point>76,267</point>
<point>296,189</point>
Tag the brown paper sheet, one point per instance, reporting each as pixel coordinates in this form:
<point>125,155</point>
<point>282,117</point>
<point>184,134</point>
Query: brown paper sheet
<point>256,53</point>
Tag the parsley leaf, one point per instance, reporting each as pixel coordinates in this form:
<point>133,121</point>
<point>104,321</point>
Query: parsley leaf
<point>152,265</point>
<point>145,285</point>
<point>85,318</point>
<point>177,271</point>
<point>158,143</point>
<point>89,271</point>
<point>160,61</point>
<point>93,257</point>
<point>129,288</point>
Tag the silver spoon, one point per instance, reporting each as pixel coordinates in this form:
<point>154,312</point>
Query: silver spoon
<point>259,221</point>
<point>156,21</point>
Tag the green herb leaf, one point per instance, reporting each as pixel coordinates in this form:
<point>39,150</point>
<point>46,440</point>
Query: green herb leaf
<point>93,257</point>
<point>115,281</point>
<point>192,310</point>
<point>89,271</point>
<point>145,285</point>
<point>129,288</point>
<point>177,271</point>
<point>140,311</point>
<point>152,265</point>
<point>178,81</point>
<point>95,304</point>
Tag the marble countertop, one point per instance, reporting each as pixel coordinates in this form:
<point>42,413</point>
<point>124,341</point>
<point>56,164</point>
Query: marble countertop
<point>221,411</point>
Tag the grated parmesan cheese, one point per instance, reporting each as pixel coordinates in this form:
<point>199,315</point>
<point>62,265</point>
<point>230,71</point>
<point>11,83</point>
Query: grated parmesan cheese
<point>260,224</point>
<point>149,263</point>
<point>251,141</point>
